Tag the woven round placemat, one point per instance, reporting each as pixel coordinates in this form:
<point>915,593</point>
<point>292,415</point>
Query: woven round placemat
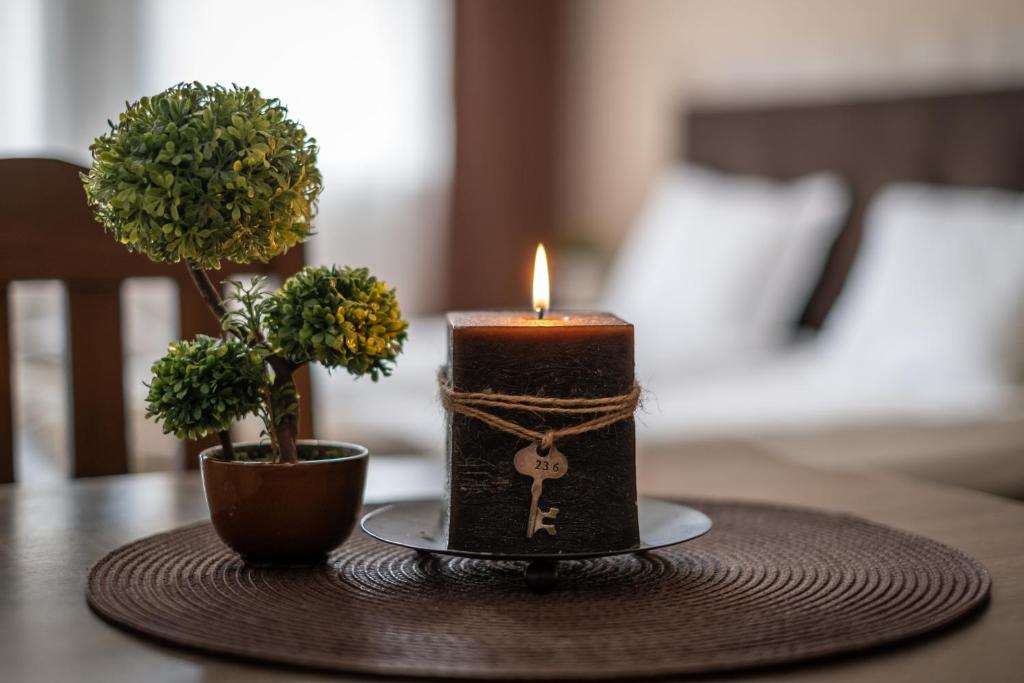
<point>768,585</point>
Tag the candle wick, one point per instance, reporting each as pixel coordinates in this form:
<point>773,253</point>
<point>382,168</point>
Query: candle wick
<point>540,313</point>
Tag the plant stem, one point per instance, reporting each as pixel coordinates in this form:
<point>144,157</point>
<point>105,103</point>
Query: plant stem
<point>206,289</point>
<point>227,448</point>
<point>286,432</point>
<point>275,445</point>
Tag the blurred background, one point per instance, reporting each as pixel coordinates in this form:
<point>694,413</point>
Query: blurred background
<point>791,200</point>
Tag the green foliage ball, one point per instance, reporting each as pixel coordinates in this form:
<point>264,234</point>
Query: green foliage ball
<point>205,173</point>
<point>340,317</point>
<point>201,386</point>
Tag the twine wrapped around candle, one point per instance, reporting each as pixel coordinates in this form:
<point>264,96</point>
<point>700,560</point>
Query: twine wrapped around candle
<point>608,410</point>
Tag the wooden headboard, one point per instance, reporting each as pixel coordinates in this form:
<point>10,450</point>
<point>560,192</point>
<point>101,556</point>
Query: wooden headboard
<point>959,139</point>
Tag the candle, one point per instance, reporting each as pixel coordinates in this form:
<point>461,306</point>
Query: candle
<point>587,496</point>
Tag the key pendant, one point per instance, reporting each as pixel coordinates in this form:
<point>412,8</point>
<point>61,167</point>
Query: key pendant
<point>552,465</point>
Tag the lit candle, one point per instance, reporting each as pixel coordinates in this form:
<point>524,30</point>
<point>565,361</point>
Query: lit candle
<point>565,356</point>
<point>541,282</point>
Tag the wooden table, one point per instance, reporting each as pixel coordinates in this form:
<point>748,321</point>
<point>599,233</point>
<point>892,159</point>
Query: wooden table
<point>50,536</point>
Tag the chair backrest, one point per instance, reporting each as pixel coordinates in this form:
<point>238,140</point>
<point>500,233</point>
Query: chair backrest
<point>47,231</point>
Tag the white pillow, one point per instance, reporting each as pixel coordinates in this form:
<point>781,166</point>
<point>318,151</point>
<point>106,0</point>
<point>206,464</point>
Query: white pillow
<point>722,263</point>
<point>936,295</point>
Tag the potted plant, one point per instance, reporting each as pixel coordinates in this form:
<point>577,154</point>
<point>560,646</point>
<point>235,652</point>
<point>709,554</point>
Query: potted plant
<point>198,174</point>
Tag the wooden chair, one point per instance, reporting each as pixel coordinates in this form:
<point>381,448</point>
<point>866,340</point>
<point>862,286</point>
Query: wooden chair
<point>47,231</point>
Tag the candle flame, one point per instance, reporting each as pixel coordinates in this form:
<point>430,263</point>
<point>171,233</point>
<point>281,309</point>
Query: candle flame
<point>541,285</point>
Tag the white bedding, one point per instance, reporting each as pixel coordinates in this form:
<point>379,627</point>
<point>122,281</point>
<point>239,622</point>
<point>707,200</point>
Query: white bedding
<point>913,372</point>
<point>799,389</point>
<point>792,390</point>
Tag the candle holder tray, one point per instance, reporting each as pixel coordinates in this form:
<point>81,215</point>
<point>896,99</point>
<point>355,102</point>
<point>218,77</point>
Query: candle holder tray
<point>421,525</point>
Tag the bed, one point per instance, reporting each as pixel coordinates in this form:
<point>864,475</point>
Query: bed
<point>969,435</point>
<point>973,438</point>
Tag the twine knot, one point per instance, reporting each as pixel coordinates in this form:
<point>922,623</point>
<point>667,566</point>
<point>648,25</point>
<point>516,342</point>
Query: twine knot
<point>476,404</point>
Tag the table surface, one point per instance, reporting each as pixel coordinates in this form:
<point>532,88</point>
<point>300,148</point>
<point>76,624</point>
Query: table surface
<point>50,536</point>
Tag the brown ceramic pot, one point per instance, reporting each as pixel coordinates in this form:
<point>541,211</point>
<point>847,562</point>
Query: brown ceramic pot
<point>285,514</point>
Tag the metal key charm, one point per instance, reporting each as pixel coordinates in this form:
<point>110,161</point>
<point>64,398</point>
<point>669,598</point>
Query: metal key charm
<point>551,465</point>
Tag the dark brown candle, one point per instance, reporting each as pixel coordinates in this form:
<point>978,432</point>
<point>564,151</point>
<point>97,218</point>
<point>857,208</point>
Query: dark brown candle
<point>578,355</point>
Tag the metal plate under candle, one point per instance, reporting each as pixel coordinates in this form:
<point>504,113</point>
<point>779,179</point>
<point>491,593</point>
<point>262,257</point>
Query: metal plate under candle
<point>421,525</point>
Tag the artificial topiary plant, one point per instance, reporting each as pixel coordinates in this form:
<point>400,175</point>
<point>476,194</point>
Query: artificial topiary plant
<point>205,173</point>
